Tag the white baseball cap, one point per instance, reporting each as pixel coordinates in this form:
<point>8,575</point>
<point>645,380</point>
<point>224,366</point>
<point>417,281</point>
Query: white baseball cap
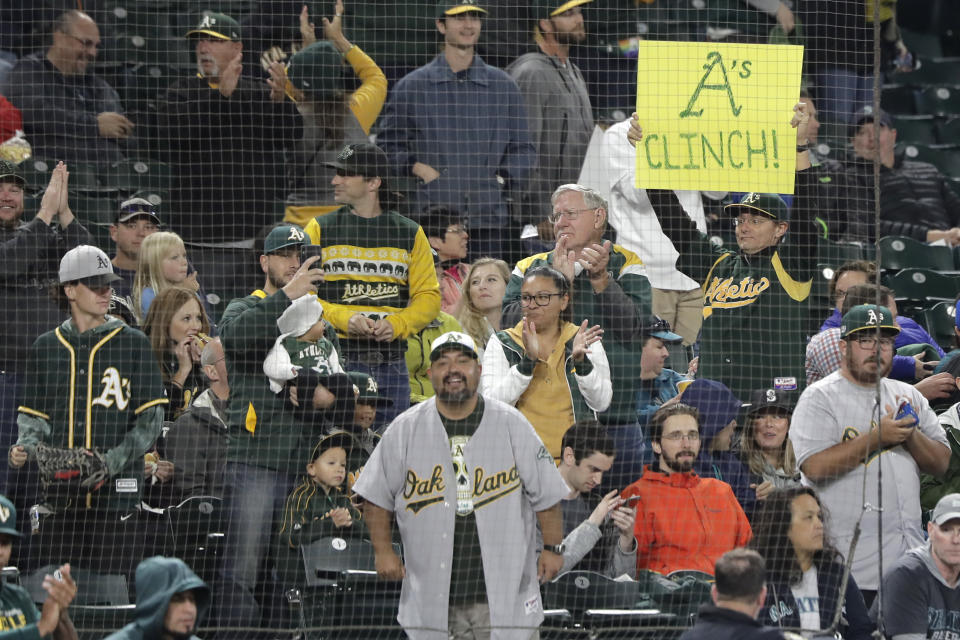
<point>948,508</point>
<point>456,340</point>
<point>87,264</point>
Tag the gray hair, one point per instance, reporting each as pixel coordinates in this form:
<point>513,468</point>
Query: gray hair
<point>212,352</point>
<point>591,197</point>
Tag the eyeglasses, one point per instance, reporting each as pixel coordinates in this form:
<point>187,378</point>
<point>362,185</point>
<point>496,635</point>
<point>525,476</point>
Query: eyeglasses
<point>752,221</point>
<point>460,229</point>
<point>676,436</point>
<point>86,44</point>
<point>569,214</point>
<point>542,299</point>
<point>870,342</point>
<point>841,293</point>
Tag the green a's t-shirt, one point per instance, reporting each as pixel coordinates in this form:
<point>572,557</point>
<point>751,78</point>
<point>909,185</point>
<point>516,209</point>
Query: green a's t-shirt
<point>467,584</point>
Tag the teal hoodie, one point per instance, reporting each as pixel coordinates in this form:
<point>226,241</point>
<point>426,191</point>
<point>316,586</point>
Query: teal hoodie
<point>158,580</point>
<point>18,614</point>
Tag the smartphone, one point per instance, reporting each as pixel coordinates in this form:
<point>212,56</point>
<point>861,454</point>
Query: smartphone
<point>906,409</point>
<point>631,501</point>
<point>310,250</point>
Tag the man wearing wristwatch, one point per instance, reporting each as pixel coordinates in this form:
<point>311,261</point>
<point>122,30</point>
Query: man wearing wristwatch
<point>468,480</point>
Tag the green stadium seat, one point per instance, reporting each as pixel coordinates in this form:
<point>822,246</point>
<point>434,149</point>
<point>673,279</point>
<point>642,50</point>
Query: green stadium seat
<point>898,252</point>
<point>145,85</point>
<point>940,100</point>
<point>898,99</point>
<point>947,159</point>
<point>948,132</point>
<point>130,176</point>
<point>926,45</point>
<point>915,129</point>
<point>834,254</point>
<point>940,322</point>
<point>922,287</point>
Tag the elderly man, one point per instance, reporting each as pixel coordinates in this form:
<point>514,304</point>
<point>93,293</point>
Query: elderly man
<point>610,288</point>
<point>227,137</point>
<point>69,113</point>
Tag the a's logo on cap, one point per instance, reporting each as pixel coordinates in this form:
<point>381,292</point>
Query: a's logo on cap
<point>4,514</point>
<point>371,385</point>
<point>102,263</point>
<point>872,318</point>
<point>750,198</point>
<point>771,395</point>
<point>208,21</point>
<point>295,234</point>
<point>453,338</point>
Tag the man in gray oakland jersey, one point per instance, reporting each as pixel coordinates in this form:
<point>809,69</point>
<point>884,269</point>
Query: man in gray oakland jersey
<point>464,476</point>
<point>840,434</point>
<point>921,598</point>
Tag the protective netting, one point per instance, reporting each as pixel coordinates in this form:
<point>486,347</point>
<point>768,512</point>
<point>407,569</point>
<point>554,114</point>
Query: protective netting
<point>233,231</point>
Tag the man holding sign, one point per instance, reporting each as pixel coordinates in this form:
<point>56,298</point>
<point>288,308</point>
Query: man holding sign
<point>755,298</point>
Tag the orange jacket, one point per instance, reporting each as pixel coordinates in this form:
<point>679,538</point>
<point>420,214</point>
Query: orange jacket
<point>685,522</point>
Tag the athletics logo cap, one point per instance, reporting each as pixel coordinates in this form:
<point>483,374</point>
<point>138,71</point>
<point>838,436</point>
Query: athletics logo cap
<point>947,508</point>
<point>551,8</point>
<point>455,7</point>
<point>868,316</point>
<point>768,204</point>
<point>219,26</point>
<point>8,518</point>
<point>453,340</point>
<point>87,264</point>
<point>284,236</point>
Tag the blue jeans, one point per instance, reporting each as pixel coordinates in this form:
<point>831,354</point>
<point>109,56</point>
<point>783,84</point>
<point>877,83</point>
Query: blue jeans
<point>843,93</point>
<point>393,381</point>
<point>633,451</point>
<point>253,504</point>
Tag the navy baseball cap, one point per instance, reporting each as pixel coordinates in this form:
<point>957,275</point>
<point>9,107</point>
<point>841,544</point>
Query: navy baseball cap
<point>868,115</point>
<point>362,159</point>
<point>137,208</point>
<point>778,399</point>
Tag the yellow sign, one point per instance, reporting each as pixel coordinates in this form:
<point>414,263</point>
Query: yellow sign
<point>716,117</point>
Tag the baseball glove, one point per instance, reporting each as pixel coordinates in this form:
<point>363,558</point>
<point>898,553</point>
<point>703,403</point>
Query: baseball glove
<point>63,470</point>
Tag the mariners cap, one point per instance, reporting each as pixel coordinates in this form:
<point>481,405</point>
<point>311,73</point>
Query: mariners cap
<point>657,327</point>
<point>367,390</point>
<point>87,264</point>
<point>219,26</point>
<point>137,208</point>
<point>456,7</point>
<point>868,316</point>
<point>948,508</point>
<point>762,399</point>
<point>453,340</point>
<point>317,70</point>
<point>287,235</point>
<point>10,173</point>
<point>551,8</point>
<point>8,518</point>
<point>340,439</point>
<point>868,115</point>
<point>768,204</point>
<point>361,159</point>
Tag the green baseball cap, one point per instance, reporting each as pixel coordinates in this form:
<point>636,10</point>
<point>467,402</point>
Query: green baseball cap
<point>769,204</point>
<point>317,70</point>
<point>10,173</point>
<point>284,236</point>
<point>8,518</point>
<point>551,8</point>
<point>455,7</point>
<point>217,25</point>
<point>868,316</point>
<point>367,391</point>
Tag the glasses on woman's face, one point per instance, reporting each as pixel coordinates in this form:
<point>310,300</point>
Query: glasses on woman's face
<point>541,299</point>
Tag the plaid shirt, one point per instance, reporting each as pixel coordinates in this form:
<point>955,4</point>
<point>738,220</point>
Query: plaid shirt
<point>823,355</point>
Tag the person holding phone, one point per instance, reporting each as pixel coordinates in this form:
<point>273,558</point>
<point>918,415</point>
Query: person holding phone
<point>838,432</point>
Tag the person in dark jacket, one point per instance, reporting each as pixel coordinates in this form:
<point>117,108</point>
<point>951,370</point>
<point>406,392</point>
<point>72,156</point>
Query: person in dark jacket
<point>170,600</point>
<point>804,569</point>
<point>19,617</point>
<point>915,199</point>
<point>738,595</point>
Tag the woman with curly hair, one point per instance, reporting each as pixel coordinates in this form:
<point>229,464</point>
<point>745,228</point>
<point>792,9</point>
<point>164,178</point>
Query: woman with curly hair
<point>804,571</point>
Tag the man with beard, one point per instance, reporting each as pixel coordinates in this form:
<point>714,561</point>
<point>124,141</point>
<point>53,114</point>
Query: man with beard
<point>848,419</point>
<point>684,522</point>
<point>226,138</point>
<point>264,447</point>
<point>558,108</point>
<point>69,113</point>
<point>465,477</point>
